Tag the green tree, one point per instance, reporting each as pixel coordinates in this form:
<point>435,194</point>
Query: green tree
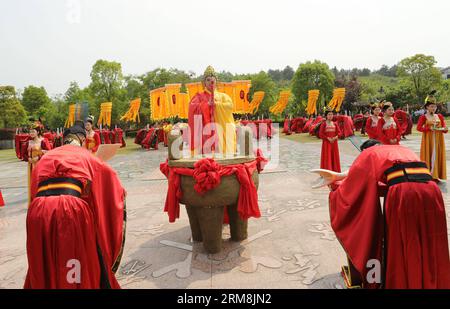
<point>107,86</point>
<point>34,98</point>
<point>75,94</point>
<point>13,113</point>
<point>420,73</point>
<point>309,76</point>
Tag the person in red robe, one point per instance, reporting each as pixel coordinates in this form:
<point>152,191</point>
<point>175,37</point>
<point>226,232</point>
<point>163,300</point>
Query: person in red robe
<point>140,135</point>
<point>314,124</point>
<point>358,121</point>
<point>307,125</point>
<point>76,220</point>
<point>372,121</point>
<point>300,124</point>
<point>92,141</point>
<point>288,124</point>
<point>389,130</point>
<point>403,119</point>
<point>199,116</point>
<point>151,139</point>
<point>329,133</point>
<point>412,225</point>
<point>2,202</point>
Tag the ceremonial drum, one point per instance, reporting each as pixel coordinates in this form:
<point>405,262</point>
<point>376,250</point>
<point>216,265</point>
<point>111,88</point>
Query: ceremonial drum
<point>206,211</point>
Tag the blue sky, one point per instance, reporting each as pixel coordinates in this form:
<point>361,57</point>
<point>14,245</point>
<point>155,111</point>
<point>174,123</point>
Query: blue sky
<point>52,42</point>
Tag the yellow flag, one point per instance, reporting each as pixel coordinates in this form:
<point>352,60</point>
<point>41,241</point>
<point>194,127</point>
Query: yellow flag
<point>313,96</point>
<point>172,94</point>
<point>193,89</point>
<point>282,102</point>
<point>258,97</point>
<point>71,119</point>
<point>105,114</point>
<point>157,104</point>
<point>338,99</point>
<point>241,93</point>
<point>133,112</point>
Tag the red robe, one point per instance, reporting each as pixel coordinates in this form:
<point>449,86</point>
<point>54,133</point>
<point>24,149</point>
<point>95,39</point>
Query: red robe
<point>371,128</point>
<point>21,143</point>
<point>105,136</point>
<point>2,202</point>
<point>199,107</point>
<point>95,140</point>
<point>346,126</point>
<point>307,125</point>
<point>287,126</point>
<point>385,135</point>
<point>300,124</point>
<point>358,120</point>
<point>403,119</point>
<point>415,228</point>
<point>140,135</point>
<point>150,140</point>
<point>330,151</point>
<point>62,228</point>
<point>314,124</point>
<point>118,137</point>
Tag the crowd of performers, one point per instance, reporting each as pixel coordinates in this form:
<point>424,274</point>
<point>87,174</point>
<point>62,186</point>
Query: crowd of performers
<point>385,124</point>
<point>407,236</point>
<point>151,136</point>
<point>76,217</point>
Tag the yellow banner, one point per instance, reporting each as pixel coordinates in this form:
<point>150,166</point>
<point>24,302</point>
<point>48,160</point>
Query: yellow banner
<point>258,97</point>
<point>313,96</point>
<point>157,104</point>
<point>282,102</point>
<point>71,118</point>
<point>105,114</point>
<point>183,105</point>
<point>133,112</point>
<point>241,92</point>
<point>172,95</point>
<point>337,100</point>
<point>193,89</point>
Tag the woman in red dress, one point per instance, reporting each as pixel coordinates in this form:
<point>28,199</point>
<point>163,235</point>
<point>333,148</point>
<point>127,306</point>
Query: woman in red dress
<point>329,133</point>
<point>389,131</point>
<point>372,121</point>
<point>92,138</point>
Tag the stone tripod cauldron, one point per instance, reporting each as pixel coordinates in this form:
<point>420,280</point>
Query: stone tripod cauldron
<point>206,213</point>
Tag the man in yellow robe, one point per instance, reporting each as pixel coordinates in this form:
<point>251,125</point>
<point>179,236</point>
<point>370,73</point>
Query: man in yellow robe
<point>216,114</point>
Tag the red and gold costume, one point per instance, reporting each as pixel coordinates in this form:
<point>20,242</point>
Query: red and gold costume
<point>412,228</point>
<point>35,150</point>
<point>76,213</point>
<point>92,141</point>
<point>389,129</point>
<point>432,150</point>
<point>372,126</point>
<point>330,150</point>
<point>214,110</point>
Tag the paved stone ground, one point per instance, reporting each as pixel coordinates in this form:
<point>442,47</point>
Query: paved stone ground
<point>291,246</point>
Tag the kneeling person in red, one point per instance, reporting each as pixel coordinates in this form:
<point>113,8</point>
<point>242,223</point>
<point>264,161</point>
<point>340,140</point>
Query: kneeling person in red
<point>76,219</point>
<point>409,238</point>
